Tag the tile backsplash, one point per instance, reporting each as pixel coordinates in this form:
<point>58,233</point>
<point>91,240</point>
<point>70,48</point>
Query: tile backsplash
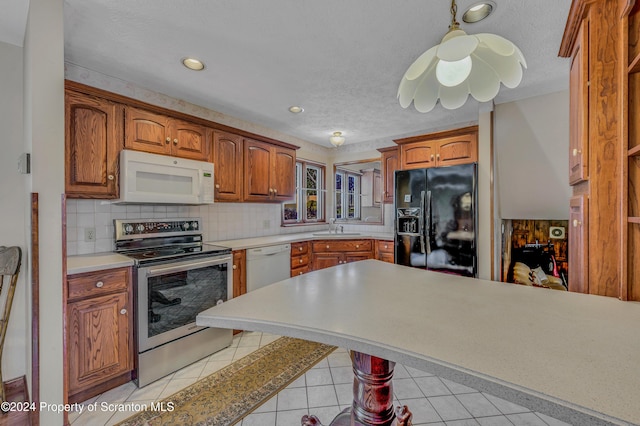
<point>220,221</point>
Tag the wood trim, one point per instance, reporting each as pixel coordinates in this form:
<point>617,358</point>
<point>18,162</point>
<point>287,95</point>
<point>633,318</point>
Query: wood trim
<point>438,135</point>
<point>491,198</point>
<point>114,97</point>
<point>387,149</point>
<point>65,366</point>
<point>579,9</point>
<point>635,151</point>
<point>628,7</point>
<point>35,305</point>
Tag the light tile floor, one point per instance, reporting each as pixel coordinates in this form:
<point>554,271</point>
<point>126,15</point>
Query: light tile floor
<point>324,390</point>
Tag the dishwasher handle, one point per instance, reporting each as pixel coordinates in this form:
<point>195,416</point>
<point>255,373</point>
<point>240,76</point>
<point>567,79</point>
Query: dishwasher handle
<point>268,250</point>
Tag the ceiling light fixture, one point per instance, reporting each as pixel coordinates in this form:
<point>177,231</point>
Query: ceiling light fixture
<point>193,64</point>
<point>336,139</point>
<point>461,65</point>
<point>296,109</point>
<point>478,12</point>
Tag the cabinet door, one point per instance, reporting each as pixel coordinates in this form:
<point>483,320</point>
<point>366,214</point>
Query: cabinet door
<point>461,149</point>
<point>227,163</point>
<point>98,340</point>
<point>189,140</point>
<point>579,107</point>
<point>418,155</point>
<point>354,257</point>
<point>283,172</point>
<point>578,244</point>
<point>390,163</point>
<point>239,272</point>
<point>257,162</point>
<point>326,260</point>
<point>93,140</point>
<point>147,131</point>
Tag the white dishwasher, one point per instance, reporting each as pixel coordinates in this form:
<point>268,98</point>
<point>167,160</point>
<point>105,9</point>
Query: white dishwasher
<point>267,265</point>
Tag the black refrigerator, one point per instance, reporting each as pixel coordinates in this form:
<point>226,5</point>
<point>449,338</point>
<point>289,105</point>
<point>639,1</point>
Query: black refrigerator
<point>436,219</point>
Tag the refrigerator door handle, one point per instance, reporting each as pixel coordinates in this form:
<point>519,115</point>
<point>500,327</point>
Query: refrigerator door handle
<point>428,222</point>
<point>421,222</point>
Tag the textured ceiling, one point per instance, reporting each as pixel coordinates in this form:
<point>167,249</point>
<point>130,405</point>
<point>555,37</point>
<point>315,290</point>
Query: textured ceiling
<point>341,60</point>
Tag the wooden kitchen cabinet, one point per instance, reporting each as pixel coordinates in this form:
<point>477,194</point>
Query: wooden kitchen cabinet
<point>390,163</point>
<point>93,140</point>
<point>161,134</point>
<point>99,333</point>
<point>578,249</point>
<point>448,148</point>
<point>579,107</point>
<point>300,258</point>
<point>228,166</point>
<point>239,272</point>
<point>327,253</point>
<point>269,172</point>
<point>384,251</point>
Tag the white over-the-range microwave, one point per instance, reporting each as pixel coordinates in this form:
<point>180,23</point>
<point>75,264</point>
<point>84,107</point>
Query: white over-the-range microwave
<point>159,179</point>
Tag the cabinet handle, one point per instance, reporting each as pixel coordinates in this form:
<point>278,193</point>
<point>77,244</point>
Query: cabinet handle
<point>437,156</point>
<point>576,151</point>
<point>576,223</point>
<point>217,186</point>
<point>111,177</point>
<point>431,157</point>
<point>300,273</point>
<point>300,248</point>
<point>168,140</point>
<point>357,245</point>
<point>175,141</point>
<point>123,311</point>
<point>235,266</point>
<point>327,246</point>
<point>386,246</point>
<point>99,284</point>
<point>300,260</point>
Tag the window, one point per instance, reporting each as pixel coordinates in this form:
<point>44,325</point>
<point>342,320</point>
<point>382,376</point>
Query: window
<point>308,206</point>
<point>347,194</point>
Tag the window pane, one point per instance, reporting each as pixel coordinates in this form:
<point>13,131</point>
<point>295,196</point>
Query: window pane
<point>338,205</point>
<point>338,181</point>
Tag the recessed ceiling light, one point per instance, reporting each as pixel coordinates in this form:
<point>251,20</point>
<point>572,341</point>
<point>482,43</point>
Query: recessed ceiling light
<point>478,12</point>
<point>193,64</point>
<point>296,109</point>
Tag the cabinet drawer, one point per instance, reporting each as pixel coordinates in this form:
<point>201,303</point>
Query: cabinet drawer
<point>300,271</point>
<point>385,246</point>
<point>299,248</point>
<point>97,283</point>
<point>324,246</point>
<point>298,261</point>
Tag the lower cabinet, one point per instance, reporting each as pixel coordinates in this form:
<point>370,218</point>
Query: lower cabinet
<point>327,253</point>
<point>99,332</point>
<point>384,251</point>
<point>300,258</point>
<point>239,275</point>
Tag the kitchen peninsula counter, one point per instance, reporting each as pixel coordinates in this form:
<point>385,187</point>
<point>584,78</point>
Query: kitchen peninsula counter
<point>572,356</point>
<point>96,262</point>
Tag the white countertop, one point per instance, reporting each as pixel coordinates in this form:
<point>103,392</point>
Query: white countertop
<point>573,356</point>
<point>96,262</point>
<point>247,243</point>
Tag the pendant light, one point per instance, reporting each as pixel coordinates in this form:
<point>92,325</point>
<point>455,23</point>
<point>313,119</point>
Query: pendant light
<point>461,65</point>
<point>336,139</point>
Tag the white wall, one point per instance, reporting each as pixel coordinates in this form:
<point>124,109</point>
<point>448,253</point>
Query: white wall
<point>44,137</point>
<point>531,142</point>
<point>14,196</point>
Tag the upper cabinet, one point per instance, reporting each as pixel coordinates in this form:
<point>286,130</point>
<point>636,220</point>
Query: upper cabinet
<point>390,163</point>
<point>579,106</point>
<point>448,148</point>
<point>93,140</point>
<point>228,166</point>
<point>160,134</point>
<point>269,172</point>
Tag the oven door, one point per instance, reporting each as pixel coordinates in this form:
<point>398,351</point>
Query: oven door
<point>171,295</point>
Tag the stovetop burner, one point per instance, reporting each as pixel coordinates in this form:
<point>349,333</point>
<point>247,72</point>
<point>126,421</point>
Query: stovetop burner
<point>152,240</point>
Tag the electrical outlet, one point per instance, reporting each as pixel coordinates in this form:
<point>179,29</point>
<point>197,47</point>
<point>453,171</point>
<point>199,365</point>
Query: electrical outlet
<point>266,224</point>
<point>89,234</point>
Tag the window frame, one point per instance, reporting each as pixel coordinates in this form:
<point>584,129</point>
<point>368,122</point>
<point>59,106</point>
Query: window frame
<point>302,194</point>
<point>345,174</point>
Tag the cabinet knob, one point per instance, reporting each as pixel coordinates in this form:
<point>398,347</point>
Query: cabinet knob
<point>175,141</point>
<point>437,156</point>
<point>386,246</point>
<point>327,245</point>
<point>300,273</point>
<point>168,140</point>
<point>431,157</point>
<point>111,177</point>
<point>300,248</point>
<point>123,311</point>
<point>576,151</point>
<point>275,192</point>
<point>357,245</point>
<point>99,284</point>
<point>300,261</point>
<point>217,186</point>
<point>235,266</point>
<point>576,223</point>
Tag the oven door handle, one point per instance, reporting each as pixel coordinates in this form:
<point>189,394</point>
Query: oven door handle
<point>151,272</point>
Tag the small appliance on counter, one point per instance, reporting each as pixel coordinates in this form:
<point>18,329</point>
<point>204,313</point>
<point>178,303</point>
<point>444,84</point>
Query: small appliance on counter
<point>436,220</point>
<point>176,276</point>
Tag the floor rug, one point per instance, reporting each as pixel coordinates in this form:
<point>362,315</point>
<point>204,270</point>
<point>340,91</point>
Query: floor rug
<point>229,394</point>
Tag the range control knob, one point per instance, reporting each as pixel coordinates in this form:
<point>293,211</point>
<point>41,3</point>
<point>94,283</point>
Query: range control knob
<point>128,228</point>
<point>186,225</point>
<point>140,227</point>
<point>194,225</point>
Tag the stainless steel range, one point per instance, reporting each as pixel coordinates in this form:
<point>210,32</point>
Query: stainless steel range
<point>176,277</point>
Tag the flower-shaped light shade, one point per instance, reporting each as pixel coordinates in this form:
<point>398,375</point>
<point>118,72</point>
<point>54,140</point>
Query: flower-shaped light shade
<point>461,65</point>
<point>336,139</point>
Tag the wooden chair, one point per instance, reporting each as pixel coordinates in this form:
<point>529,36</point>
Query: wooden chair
<point>10,258</point>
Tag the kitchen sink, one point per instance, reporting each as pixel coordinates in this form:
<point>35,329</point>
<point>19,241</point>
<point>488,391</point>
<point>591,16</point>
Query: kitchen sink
<point>332,234</point>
